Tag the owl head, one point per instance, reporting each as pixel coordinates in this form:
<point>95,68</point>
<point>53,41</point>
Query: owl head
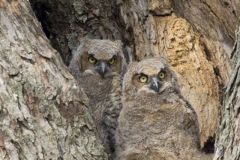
<point>103,58</point>
<point>151,76</point>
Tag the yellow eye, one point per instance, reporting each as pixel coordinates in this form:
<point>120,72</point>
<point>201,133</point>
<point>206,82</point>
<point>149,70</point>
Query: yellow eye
<point>161,75</point>
<point>112,60</point>
<point>143,78</point>
<point>92,60</point>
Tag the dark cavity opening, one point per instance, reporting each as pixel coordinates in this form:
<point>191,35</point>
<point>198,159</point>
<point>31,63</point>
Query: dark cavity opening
<point>209,145</point>
<point>66,22</point>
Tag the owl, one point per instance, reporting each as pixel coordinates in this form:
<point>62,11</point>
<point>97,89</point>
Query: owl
<point>98,65</point>
<point>156,122</point>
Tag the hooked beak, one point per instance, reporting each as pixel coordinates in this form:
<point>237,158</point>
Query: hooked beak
<point>102,68</point>
<point>155,84</point>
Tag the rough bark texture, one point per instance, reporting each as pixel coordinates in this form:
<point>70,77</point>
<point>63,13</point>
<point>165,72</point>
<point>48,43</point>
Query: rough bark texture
<point>227,146</point>
<point>43,113</point>
<point>196,37</point>
<point>216,19</point>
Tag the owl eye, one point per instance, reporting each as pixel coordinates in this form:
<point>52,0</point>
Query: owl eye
<point>92,60</point>
<point>161,75</point>
<point>143,78</point>
<point>112,60</point>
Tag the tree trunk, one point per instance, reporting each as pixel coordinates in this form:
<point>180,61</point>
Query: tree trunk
<point>196,37</point>
<point>43,111</point>
<point>227,146</point>
<point>196,44</point>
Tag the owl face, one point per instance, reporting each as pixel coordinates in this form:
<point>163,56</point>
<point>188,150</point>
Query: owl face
<point>151,76</point>
<point>151,82</point>
<point>103,58</point>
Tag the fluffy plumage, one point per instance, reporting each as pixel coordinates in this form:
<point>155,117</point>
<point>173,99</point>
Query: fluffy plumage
<point>155,123</point>
<point>98,65</point>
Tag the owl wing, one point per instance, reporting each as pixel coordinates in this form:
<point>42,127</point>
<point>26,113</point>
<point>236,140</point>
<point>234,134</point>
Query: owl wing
<point>106,116</point>
<point>190,121</point>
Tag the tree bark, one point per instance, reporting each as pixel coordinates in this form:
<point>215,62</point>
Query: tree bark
<point>216,19</point>
<point>43,111</point>
<point>198,51</point>
<point>227,146</point>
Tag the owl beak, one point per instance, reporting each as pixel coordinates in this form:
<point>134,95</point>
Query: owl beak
<point>102,68</point>
<point>155,84</point>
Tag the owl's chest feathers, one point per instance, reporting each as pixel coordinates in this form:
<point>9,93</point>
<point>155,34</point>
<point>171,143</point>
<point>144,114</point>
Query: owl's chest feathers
<point>96,87</point>
<point>154,121</point>
<point>104,95</point>
<point>157,116</point>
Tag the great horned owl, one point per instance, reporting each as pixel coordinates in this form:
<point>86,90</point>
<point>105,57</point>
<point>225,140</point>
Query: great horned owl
<point>155,122</point>
<point>98,65</point>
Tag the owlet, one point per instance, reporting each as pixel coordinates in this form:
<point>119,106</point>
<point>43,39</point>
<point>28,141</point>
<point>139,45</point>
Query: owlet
<point>155,122</point>
<point>98,65</point>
